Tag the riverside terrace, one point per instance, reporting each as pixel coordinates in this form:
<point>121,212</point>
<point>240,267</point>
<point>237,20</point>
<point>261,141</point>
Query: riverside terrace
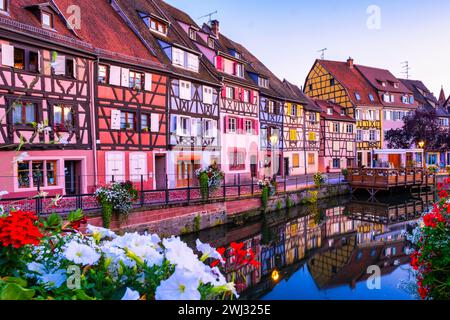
<point>375,180</point>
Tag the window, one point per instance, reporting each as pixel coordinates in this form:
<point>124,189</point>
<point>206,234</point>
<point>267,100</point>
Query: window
<point>237,160</point>
<point>372,135</point>
<point>359,135</point>
<point>178,57</point>
<point>63,118</point>
<point>371,97</point>
<point>154,24</point>
<point>207,128</point>
<point>296,160</point>
<point>349,128</point>
<point>329,111</point>
<point>185,60</point>
<point>312,117</point>
<point>239,70</point>
<point>145,122</point>
<point>246,96</point>
<point>24,113</point>
<point>207,95</point>
<point>370,115</point>
<point>211,43</point>
<point>102,74</point>
<point>192,62</point>
<point>311,159</point>
<point>136,80</point>
<point>3,6</point>
<point>293,110</point>
<point>411,99</point>
<point>311,136</point>
<point>229,92</point>
<point>263,82</point>
<point>336,163</point>
<point>271,106</point>
<point>192,34</point>
<point>185,126</point>
<point>443,122</point>
<point>293,135</point>
<point>232,127</point>
<point>43,173</point>
<point>19,58</point>
<point>358,97</point>
<point>70,68</point>
<point>336,127</point>
<point>185,90</point>
<point>47,19</point>
<point>332,82</point>
<point>249,126</point>
<point>127,121</point>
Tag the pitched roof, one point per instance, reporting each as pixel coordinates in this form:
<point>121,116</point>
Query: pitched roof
<point>425,98</point>
<point>377,76</point>
<point>175,35</point>
<point>442,98</point>
<point>298,95</point>
<point>353,82</point>
<point>336,111</point>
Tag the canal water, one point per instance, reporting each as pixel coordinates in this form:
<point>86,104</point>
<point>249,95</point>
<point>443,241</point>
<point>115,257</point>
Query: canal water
<point>324,251</point>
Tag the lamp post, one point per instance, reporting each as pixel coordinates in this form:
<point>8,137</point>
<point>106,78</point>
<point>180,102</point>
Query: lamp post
<point>421,146</point>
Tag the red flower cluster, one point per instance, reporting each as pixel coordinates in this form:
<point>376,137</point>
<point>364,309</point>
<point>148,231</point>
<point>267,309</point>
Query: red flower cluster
<point>238,257</point>
<point>77,224</point>
<point>432,219</point>
<point>423,290</point>
<point>19,229</point>
<point>415,260</point>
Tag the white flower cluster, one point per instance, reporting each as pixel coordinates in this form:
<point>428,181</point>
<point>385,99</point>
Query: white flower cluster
<point>117,195</point>
<point>104,247</point>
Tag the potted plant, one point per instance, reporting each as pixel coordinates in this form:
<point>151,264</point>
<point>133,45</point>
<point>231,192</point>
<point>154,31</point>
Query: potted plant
<point>210,179</point>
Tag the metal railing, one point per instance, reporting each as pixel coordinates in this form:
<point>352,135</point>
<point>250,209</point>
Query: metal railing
<point>234,187</point>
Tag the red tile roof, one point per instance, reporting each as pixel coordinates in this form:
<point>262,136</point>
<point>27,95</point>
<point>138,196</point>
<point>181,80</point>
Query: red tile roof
<point>353,82</point>
<point>376,76</point>
<point>336,114</point>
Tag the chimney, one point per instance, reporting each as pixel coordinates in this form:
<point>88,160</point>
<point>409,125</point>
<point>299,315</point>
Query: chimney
<point>215,28</point>
<point>350,62</point>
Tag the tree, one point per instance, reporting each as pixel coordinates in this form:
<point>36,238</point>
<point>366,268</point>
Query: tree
<point>419,126</point>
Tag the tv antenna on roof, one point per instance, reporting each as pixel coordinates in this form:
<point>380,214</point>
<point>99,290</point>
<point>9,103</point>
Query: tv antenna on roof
<point>406,68</point>
<point>322,55</point>
<point>209,15</point>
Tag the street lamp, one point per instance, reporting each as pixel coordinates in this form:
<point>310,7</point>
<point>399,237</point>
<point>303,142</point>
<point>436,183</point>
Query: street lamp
<point>421,146</point>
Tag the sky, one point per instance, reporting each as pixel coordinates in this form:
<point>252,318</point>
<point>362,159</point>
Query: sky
<point>286,34</point>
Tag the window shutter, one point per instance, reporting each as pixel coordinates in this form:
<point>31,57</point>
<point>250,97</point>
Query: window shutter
<point>154,119</point>
<point>115,119</point>
<point>138,166</point>
<point>148,82</point>
<point>74,61</point>
<point>60,65</point>
<point>219,62</point>
<point>224,92</point>
<point>39,61</point>
<point>7,55</point>
<point>125,77</point>
<point>256,127</point>
<point>252,97</point>
<point>173,124</point>
<point>237,94</point>
<point>214,129</point>
<point>225,124</point>
<point>193,127</point>
<point>200,127</point>
<point>299,110</point>
<point>114,76</point>
<point>179,127</point>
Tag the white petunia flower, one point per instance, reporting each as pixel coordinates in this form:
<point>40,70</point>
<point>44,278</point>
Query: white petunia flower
<point>149,255</point>
<point>54,279</point>
<point>131,295</point>
<point>81,254</point>
<point>180,286</point>
<point>179,254</point>
<point>208,251</point>
<point>100,232</point>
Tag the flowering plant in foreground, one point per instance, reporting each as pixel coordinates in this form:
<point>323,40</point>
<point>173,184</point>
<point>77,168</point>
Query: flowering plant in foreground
<point>60,262</point>
<point>431,258</point>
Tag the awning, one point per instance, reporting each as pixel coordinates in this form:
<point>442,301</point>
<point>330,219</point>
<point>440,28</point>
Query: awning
<point>397,151</point>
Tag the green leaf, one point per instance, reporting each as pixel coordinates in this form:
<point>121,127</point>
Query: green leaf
<point>21,282</point>
<point>13,291</point>
<point>81,295</point>
<point>75,215</point>
<point>54,220</point>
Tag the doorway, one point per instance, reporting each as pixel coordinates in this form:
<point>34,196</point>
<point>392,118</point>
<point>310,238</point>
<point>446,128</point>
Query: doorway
<point>253,166</point>
<point>286,167</point>
<point>160,172</point>
<point>395,160</point>
<point>72,177</point>
<point>186,171</point>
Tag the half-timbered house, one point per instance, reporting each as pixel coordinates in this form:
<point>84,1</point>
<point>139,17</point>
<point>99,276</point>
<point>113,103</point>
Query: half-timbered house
<point>342,83</point>
<point>239,102</point>
<point>301,129</point>
<point>130,88</point>
<point>337,138</point>
<point>45,102</point>
<point>193,91</point>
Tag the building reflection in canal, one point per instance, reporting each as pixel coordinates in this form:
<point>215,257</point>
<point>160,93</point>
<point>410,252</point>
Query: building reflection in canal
<point>336,241</point>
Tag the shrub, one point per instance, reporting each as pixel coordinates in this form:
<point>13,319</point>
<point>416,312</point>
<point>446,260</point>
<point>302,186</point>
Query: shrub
<point>264,196</point>
<point>319,179</point>
<point>214,177</point>
<point>433,169</point>
<point>204,185</point>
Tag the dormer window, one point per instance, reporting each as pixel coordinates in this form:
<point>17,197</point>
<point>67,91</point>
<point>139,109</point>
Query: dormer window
<point>405,99</point>
<point>3,6</point>
<point>211,43</point>
<point>342,112</point>
<point>192,34</point>
<point>358,97</point>
<point>330,111</point>
<point>371,97</point>
<point>185,59</point>
<point>263,82</point>
<point>154,24</point>
<point>46,19</point>
<point>396,85</point>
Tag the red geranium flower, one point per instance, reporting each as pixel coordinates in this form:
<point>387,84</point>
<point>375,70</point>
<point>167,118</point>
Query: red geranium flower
<point>18,229</point>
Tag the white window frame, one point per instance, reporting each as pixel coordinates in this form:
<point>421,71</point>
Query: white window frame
<point>232,125</point>
<point>229,92</point>
<point>50,19</point>
<point>246,96</point>
<point>208,128</point>
<point>3,5</point>
<point>192,62</point>
<point>192,34</point>
<point>359,135</point>
<point>248,126</point>
<point>207,95</point>
<point>185,131</point>
<point>185,90</point>
<point>178,57</point>
<point>136,156</point>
